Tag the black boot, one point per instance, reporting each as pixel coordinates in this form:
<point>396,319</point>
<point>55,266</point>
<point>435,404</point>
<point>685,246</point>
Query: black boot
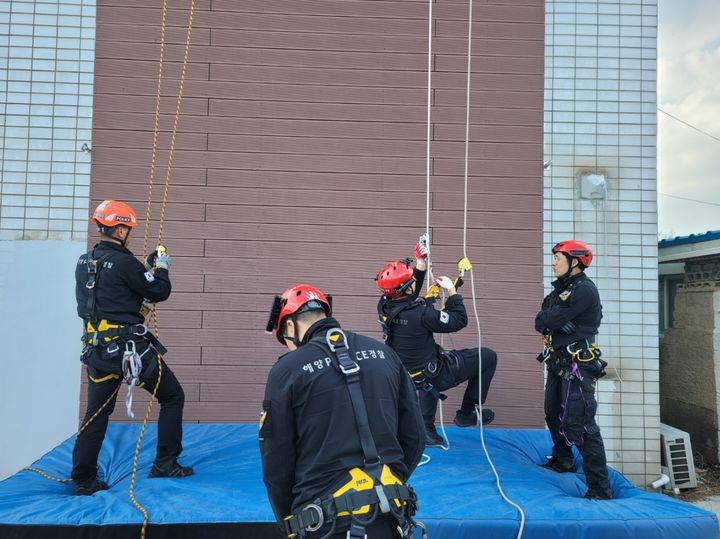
<point>174,469</point>
<point>597,493</point>
<point>90,487</point>
<point>432,438</point>
<point>558,465</point>
<point>469,419</point>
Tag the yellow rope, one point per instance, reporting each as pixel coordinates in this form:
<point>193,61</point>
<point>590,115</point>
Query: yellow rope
<point>79,432</point>
<point>181,90</point>
<point>137,504</point>
<point>171,155</point>
<point>156,128</point>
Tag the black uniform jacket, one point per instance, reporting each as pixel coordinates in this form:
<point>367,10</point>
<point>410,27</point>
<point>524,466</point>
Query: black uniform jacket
<point>121,283</point>
<point>308,436</point>
<point>574,299</point>
<point>410,331</point>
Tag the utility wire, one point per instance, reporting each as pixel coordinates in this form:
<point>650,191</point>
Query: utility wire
<point>690,199</point>
<point>689,125</point>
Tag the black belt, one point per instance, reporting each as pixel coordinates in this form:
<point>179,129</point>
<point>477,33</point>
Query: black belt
<point>95,338</point>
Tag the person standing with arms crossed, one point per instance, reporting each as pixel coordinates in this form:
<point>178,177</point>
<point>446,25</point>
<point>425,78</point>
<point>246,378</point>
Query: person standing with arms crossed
<point>569,320</point>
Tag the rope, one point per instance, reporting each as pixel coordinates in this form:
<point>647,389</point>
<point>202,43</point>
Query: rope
<point>156,127</point>
<point>427,146</point>
<point>79,432</point>
<point>161,225</point>
<point>472,279</point>
<point>131,492</point>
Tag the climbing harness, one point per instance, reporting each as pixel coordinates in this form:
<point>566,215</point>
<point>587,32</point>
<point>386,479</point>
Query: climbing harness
<point>566,363</point>
<point>372,490</point>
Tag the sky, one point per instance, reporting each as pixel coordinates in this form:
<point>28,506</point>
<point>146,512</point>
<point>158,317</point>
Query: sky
<point>688,88</point>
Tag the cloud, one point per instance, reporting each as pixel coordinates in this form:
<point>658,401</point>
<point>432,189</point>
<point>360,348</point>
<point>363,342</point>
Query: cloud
<point>689,88</point>
<point>686,25</point>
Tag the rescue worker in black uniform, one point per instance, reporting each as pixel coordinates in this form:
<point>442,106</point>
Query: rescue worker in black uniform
<point>335,425</point>
<point>409,324</point>
<point>569,320</point>
<point>111,285</point>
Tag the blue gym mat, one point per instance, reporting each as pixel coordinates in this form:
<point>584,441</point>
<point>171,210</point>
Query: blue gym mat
<point>456,490</point>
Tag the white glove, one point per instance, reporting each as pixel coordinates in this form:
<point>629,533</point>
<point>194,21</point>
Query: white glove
<point>163,261</point>
<point>444,282</point>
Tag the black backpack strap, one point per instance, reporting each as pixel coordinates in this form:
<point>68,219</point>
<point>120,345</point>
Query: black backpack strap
<point>94,265</point>
<point>337,348</point>
<point>386,320</point>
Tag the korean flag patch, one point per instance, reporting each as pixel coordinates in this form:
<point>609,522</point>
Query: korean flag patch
<point>444,317</point>
<point>149,277</point>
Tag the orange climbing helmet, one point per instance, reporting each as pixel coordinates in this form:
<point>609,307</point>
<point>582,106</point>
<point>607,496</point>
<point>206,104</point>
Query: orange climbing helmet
<point>296,299</point>
<point>110,213</point>
<point>394,278</point>
<point>575,249</point>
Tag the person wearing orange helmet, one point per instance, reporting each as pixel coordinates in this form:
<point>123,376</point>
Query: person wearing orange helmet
<point>569,320</point>
<point>111,287</point>
<point>340,427</point>
<point>409,325</point>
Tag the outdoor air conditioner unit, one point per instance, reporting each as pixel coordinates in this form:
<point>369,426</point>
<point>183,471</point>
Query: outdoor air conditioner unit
<point>676,458</point>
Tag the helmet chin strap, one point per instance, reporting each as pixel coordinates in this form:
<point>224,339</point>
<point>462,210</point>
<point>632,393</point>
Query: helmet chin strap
<point>294,339</point>
<point>570,265</point>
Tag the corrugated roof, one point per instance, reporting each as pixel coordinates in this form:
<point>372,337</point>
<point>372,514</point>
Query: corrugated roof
<point>692,238</point>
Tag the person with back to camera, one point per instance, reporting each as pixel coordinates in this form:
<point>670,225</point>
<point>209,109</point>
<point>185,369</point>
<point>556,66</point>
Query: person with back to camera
<point>340,431</point>
<point>111,286</point>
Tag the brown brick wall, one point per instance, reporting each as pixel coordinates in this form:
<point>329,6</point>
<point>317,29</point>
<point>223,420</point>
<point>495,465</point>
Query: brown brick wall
<point>301,157</point>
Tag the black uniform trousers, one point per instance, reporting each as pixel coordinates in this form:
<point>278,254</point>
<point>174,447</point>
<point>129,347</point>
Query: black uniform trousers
<point>457,367</point>
<point>171,397</point>
<point>570,407</point>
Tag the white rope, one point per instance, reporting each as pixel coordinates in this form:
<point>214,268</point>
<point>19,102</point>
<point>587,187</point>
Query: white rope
<point>472,279</point>
<point>427,146</point>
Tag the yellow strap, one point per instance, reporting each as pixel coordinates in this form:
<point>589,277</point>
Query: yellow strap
<point>104,378</point>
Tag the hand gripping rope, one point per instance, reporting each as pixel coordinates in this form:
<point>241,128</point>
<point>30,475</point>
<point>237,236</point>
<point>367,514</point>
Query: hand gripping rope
<point>465,257</point>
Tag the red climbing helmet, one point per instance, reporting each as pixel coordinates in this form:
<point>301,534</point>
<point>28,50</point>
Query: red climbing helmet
<point>110,213</point>
<point>395,278</point>
<point>296,299</point>
<point>575,249</point>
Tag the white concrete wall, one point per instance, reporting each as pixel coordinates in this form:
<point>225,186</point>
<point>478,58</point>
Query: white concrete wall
<point>47,51</point>
<point>600,115</point>
<point>39,349</point>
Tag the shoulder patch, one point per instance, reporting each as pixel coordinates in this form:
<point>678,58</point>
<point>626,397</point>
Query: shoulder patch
<point>565,295</point>
<point>444,317</point>
<point>265,430</point>
<point>149,277</point>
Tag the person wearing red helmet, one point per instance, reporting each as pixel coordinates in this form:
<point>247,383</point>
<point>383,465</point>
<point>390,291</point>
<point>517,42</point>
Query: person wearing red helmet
<point>569,320</point>
<point>111,286</point>
<point>409,325</point>
<point>340,427</point>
